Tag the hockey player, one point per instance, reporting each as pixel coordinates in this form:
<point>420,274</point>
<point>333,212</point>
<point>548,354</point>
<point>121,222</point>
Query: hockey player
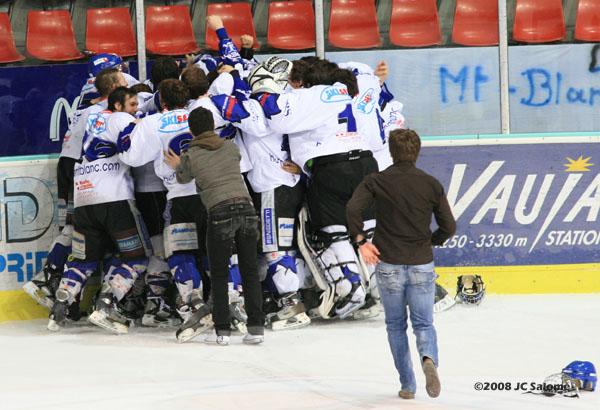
<point>325,142</point>
<point>44,285</point>
<point>105,217</point>
<point>277,194</point>
<point>96,64</point>
<point>155,134</point>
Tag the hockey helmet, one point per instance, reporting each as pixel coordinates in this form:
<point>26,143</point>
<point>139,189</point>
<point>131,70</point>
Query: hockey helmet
<point>270,76</point>
<point>103,61</point>
<point>470,289</point>
<point>583,372</point>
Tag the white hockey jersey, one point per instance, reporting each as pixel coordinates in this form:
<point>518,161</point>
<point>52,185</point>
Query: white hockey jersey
<point>101,176</point>
<point>267,151</point>
<point>145,179</point>
<point>223,127</point>
<point>73,139</point>
<point>319,121</point>
<point>366,111</point>
<point>154,135</point>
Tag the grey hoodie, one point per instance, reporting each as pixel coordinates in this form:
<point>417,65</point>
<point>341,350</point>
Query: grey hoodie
<point>217,172</point>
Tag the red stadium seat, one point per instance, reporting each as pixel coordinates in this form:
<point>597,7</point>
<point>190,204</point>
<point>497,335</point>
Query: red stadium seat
<point>169,31</point>
<point>475,23</point>
<point>291,25</point>
<point>353,24</point>
<point>415,23</point>
<point>110,31</point>
<point>8,51</point>
<point>539,21</point>
<point>237,19</point>
<point>587,24</point>
<point>50,36</point>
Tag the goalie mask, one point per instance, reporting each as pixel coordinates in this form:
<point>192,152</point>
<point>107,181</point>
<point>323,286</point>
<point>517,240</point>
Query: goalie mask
<point>470,289</point>
<point>270,76</point>
<point>584,374</point>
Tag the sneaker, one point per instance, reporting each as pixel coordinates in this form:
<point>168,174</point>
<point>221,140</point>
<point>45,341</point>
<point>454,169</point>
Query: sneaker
<point>198,320</point>
<point>406,395</point>
<point>432,381</point>
<point>215,339</point>
<point>254,336</point>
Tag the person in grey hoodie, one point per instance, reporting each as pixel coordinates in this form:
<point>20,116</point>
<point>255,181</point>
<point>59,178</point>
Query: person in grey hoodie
<point>214,163</point>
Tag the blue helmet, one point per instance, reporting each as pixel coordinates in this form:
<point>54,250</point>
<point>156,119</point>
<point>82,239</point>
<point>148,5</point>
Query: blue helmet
<point>103,61</point>
<point>470,289</point>
<point>583,372</point>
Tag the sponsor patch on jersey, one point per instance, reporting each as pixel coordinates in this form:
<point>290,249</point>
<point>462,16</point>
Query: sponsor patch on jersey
<point>129,243</point>
<point>285,231</point>
<point>334,94</point>
<point>366,102</point>
<point>173,121</point>
<point>97,123</point>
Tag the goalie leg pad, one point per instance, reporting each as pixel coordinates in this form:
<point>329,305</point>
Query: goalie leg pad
<point>282,274</point>
<point>158,276</point>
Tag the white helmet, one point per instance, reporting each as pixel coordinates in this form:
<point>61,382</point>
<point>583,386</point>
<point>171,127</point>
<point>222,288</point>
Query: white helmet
<point>270,76</point>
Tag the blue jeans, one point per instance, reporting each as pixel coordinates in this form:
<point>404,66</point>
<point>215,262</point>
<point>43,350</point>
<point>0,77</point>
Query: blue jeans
<point>412,287</point>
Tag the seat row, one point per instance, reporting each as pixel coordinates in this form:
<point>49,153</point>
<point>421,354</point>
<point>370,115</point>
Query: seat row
<point>291,26</point>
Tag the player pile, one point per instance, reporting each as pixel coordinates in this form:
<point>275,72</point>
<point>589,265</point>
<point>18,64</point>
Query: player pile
<point>308,132</point>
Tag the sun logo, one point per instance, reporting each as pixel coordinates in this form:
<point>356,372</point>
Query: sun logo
<point>578,165</point>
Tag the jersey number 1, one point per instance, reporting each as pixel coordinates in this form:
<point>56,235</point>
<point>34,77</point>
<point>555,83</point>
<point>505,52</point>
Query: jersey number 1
<point>346,117</point>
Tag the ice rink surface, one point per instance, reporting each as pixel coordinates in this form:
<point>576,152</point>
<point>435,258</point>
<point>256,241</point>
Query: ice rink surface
<point>329,365</point>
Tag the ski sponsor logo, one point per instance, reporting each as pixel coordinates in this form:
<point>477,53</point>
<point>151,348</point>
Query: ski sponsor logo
<point>334,94</point>
<point>129,243</point>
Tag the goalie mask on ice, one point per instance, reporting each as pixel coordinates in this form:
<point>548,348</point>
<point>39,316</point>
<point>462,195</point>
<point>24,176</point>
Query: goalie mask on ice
<point>584,374</point>
<point>270,76</point>
<point>470,289</point>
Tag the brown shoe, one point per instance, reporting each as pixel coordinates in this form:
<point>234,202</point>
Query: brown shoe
<point>432,381</point>
<point>406,395</point>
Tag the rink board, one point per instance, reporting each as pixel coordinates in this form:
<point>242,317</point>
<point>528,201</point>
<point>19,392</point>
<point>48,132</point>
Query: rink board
<point>542,239</point>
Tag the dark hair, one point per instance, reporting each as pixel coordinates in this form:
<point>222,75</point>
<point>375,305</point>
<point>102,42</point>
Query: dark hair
<point>119,95</point>
<point>141,88</point>
<point>163,68</point>
<point>106,80</point>
<point>346,77</point>
<point>195,80</point>
<point>173,94</point>
<point>405,145</point>
<point>299,70</point>
<point>320,72</point>
<point>201,120</point>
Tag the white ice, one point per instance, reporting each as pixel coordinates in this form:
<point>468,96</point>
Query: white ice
<point>329,365</point>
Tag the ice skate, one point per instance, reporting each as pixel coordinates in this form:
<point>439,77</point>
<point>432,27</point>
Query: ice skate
<point>351,302</point>
<point>370,309</point>
<point>291,315</point>
<point>237,312</point>
<point>58,316</point>
<point>43,286</point>
<point>107,316</point>
<point>158,314</point>
<point>197,320</point>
